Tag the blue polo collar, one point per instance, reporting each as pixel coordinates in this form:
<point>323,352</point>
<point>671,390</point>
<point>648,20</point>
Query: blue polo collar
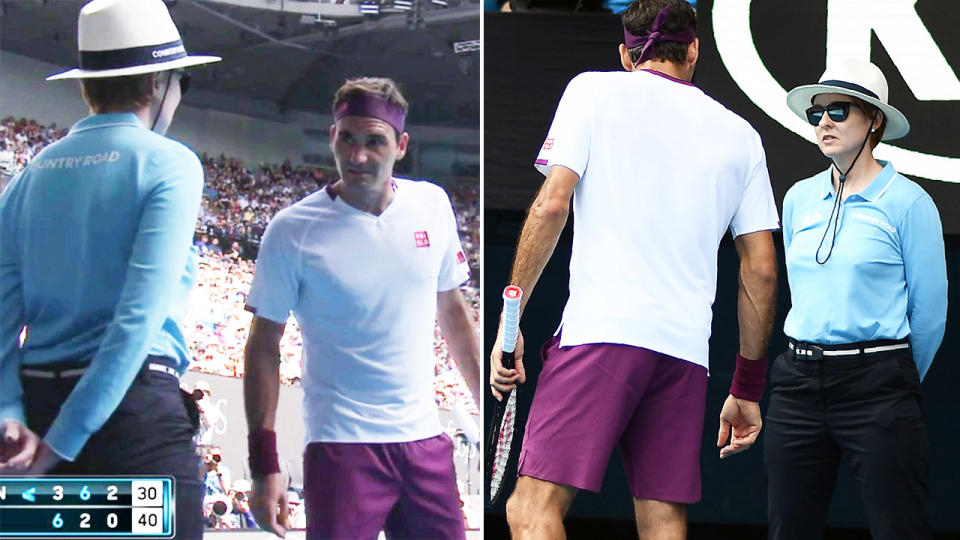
<point>107,120</point>
<point>874,190</point>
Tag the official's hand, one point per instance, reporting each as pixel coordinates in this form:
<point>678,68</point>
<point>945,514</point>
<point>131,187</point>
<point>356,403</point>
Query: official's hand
<point>18,447</point>
<point>268,501</point>
<point>744,418</point>
<point>44,460</point>
<point>502,379</point>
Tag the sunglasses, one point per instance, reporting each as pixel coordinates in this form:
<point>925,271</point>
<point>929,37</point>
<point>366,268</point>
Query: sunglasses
<point>837,111</point>
<point>184,81</point>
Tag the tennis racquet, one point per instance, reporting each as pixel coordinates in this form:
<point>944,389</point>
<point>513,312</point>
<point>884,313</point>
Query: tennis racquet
<point>499,443</point>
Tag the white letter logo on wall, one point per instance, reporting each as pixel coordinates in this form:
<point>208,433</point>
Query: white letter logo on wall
<point>849,26</point>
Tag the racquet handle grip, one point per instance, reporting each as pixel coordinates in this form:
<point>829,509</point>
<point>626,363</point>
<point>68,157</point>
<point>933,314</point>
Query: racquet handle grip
<point>511,321</point>
<point>507,360</point>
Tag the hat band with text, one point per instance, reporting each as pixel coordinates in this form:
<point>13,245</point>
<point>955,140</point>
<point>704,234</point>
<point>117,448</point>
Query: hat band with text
<point>134,56</point>
<point>850,86</point>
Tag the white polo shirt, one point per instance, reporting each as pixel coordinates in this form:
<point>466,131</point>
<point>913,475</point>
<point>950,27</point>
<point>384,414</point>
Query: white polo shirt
<point>664,171</point>
<point>364,291</point>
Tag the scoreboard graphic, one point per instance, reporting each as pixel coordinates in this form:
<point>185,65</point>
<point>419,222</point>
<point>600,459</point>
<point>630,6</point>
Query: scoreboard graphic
<point>86,507</point>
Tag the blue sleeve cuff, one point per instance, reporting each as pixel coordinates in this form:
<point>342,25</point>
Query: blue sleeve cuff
<point>58,452</point>
<point>67,436</point>
<point>11,392</point>
<point>12,411</point>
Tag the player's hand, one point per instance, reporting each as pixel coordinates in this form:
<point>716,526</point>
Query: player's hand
<point>502,379</point>
<point>744,418</point>
<point>43,461</point>
<point>18,447</point>
<point>269,504</point>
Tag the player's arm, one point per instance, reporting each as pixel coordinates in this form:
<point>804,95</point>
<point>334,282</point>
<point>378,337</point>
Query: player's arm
<point>456,326</point>
<point>757,298</point>
<point>538,238</point>
<point>261,373</point>
<point>541,230</point>
<point>261,392</point>
<point>273,293</point>
<point>756,307</point>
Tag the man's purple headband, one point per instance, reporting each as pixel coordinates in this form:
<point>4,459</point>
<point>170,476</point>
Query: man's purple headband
<point>687,35</point>
<point>371,105</point>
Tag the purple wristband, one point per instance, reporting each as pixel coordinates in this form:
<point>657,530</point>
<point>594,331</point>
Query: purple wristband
<point>264,460</point>
<point>749,378</point>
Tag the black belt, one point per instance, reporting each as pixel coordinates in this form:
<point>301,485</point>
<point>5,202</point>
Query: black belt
<point>802,350</point>
<point>72,370</point>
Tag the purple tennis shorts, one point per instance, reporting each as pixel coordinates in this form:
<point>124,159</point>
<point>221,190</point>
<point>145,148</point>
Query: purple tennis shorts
<point>592,397</point>
<point>408,490</point>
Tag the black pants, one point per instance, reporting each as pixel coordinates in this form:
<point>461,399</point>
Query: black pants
<point>150,433</point>
<point>862,410</point>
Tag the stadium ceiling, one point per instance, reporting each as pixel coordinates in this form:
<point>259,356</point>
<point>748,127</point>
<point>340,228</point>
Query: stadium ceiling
<point>287,55</point>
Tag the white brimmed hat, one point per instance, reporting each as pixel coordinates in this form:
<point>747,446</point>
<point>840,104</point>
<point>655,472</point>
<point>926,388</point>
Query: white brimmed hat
<point>854,78</point>
<point>241,485</point>
<point>128,37</point>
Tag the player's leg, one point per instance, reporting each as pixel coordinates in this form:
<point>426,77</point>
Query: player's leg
<point>800,456</point>
<point>884,437</point>
<point>660,446</point>
<point>536,508</point>
<point>584,399</point>
<point>660,520</point>
<point>349,488</point>
<point>429,505</point>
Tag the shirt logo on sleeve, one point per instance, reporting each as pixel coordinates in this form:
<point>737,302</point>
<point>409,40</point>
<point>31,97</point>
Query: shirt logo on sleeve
<point>461,258</point>
<point>548,144</point>
<point>422,239</point>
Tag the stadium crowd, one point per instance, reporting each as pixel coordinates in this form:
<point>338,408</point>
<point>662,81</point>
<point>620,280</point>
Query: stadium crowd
<point>239,202</point>
<point>21,139</point>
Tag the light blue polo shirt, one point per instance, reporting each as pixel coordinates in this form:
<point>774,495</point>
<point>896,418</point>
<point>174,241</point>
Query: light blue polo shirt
<point>887,275</point>
<point>96,261</point>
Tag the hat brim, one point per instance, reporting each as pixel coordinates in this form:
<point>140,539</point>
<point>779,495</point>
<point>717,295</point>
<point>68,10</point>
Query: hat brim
<point>187,61</point>
<point>801,98</point>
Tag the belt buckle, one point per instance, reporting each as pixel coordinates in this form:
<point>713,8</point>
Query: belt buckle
<point>808,351</point>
